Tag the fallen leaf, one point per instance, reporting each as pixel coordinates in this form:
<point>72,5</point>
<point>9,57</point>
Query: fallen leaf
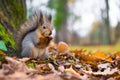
<point>116,55</point>
<point>61,68</point>
<point>17,75</point>
<point>72,72</point>
<point>52,76</point>
<point>101,56</point>
<point>108,71</point>
<point>18,66</point>
<point>62,47</point>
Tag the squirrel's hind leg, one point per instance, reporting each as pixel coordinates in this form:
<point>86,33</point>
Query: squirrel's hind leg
<point>25,52</point>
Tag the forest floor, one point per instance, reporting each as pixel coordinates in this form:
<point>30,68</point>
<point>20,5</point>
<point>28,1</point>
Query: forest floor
<point>64,64</point>
<point>104,48</point>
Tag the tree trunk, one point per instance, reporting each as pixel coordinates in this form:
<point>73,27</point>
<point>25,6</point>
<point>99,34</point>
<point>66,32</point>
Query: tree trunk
<point>108,33</point>
<point>12,14</point>
<point>14,11</point>
<point>62,35</point>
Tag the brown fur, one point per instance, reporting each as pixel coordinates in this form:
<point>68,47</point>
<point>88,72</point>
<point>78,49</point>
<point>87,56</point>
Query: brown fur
<point>41,23</point>
<point>44,42</point>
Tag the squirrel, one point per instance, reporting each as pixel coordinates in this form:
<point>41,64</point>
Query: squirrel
<point>34,35</point>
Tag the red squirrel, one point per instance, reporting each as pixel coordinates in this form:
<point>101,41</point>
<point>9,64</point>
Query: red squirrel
<point>35,35</point>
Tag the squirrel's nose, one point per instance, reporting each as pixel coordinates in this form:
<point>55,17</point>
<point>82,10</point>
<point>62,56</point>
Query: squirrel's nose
<point>50,33</point>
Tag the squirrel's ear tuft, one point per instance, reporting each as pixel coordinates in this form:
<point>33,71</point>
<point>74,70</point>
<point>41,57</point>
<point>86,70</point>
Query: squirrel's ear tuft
<point>50,18</point>
<point>41,20</point>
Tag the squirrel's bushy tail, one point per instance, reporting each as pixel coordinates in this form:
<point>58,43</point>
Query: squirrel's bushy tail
<point>28,26</point>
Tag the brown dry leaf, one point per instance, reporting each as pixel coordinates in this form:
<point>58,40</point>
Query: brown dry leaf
<point>117,77</point>
<point>7,69</point>
<point>40,77</point>
<point>2,74</point>
<point>52,68</point>
<point>52,76</point>
<point>61,68</point>
<point>108,71</point>
<point>116,55</point>
<point>94,63</point>
<point>88,57</point>
<point>24,59</point>
<point>17,75</point>
<point>62,47</point>
<point>43,68</point>
<point>18,66</point>
<point>104,66</point>
<point>72,72</point>
<point>84,55</point>
<point>102,56</point>
<point>77,52</point>
<point>2,53</point>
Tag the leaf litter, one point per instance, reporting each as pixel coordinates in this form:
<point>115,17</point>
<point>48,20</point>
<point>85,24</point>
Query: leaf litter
<point>62,64</point>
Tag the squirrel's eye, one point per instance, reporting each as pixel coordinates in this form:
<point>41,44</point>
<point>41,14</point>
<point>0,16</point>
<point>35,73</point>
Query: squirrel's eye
<point>44,27</point>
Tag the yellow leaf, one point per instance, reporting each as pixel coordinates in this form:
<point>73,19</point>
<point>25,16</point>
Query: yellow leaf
<point>2,53</point>
<point>117,55</point>
<point>101,56</point>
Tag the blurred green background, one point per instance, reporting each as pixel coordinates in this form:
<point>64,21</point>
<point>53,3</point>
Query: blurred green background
<point>92,25</point>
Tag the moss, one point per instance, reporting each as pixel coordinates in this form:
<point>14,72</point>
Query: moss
<point>30,64</point>
<point>12,14</point>
<point>7,38</point>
